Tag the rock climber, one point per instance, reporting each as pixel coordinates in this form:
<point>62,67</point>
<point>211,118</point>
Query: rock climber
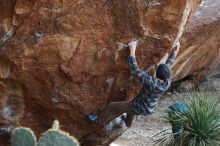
<point>152,89</point>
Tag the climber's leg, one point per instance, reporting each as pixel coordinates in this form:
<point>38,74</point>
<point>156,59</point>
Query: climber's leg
<point>114,109</point>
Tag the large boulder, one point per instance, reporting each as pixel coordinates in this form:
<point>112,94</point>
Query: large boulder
<point>200,53</point>
<point>62,59</point>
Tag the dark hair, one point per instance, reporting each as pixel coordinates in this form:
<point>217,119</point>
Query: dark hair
<point>163,72</point>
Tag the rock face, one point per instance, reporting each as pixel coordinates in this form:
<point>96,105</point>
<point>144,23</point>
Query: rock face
<point>62,59</point>
<point>200,52</point>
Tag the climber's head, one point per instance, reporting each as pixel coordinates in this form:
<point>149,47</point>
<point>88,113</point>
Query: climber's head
<point>163,72</point>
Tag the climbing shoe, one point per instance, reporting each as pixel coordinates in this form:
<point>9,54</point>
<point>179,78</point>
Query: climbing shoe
<point>92,117</point>
<point>128,120</point>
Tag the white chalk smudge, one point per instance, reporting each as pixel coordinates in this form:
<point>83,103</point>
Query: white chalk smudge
<point>55,10</point>
<point>109,81</point>
<point>153,4</point>
<point>100,52</point>
<point>55,98</point>
<point>7,113</point>
<point>121,46</point>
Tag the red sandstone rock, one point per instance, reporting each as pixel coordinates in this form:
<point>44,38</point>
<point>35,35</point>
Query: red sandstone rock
<point>200,52</point>
<point>60,59</point>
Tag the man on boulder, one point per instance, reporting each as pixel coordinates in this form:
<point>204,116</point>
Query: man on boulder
<point>152,89</point>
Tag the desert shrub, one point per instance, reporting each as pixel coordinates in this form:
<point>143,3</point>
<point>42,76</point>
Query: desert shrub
<point>199,126</point>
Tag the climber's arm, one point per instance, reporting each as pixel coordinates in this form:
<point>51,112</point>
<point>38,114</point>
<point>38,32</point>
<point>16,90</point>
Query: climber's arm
<point>139,74</point>
<point>173,54</point>
<point>176,48</point>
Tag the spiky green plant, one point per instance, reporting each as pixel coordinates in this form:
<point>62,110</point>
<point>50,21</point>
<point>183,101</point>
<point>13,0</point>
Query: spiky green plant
<point>57,137</point>
<point>200,125</point>
<point>23,137</point>
<point>53,137</point>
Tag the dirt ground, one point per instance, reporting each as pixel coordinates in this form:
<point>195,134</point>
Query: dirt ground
<point>144,128</point>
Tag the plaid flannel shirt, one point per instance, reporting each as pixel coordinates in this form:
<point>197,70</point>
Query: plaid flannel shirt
<point>152,88</point>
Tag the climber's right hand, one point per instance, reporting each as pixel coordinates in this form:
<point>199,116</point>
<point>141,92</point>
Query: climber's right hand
<point>132,46</point>
<point>176,48</point>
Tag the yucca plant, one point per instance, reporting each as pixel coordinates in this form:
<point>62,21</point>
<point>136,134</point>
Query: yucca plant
<point>199,126</point>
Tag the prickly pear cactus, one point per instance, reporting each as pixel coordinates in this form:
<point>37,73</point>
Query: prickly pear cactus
<point>23,137</point>
<point>57,137</point>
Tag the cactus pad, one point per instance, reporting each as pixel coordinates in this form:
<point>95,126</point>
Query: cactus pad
<point>23,137</point>
<point>57,137</point>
